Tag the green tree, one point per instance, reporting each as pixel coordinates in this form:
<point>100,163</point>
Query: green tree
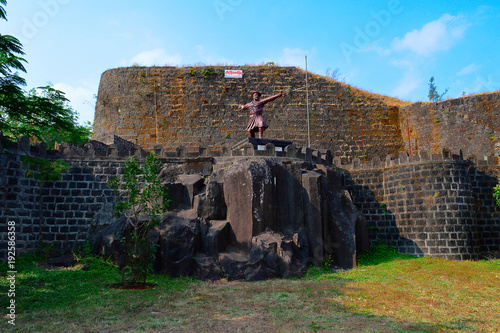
<point>41,114</point>
<point>142,201</point>
<point>434,96</point>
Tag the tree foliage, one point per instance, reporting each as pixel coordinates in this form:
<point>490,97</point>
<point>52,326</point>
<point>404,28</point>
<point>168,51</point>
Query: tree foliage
<point>45,117</point>
<point>434,96</point>
<point>41,114</point>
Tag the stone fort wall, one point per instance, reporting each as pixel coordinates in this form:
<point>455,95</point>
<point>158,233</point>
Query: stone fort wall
<point>425,205</point>
<point>67,213</point>
<point>433,202</point>
<point>192,106</point>
<point>430,204</point>
<point>470,123</point>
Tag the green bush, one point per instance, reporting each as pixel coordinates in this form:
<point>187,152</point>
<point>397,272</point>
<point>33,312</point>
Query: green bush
<point>496,193</point>
<point>380,253</point>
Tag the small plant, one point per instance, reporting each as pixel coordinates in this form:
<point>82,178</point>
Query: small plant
<point>401,187</point>
<point>324,268</point>
<point>434,96</point>
<point>142,75</point>
<point>144,199</point>
<point>333,74</point>
<point>384,208</point>
<point>208,71</point>
<point>436,120</point>
<point>496,193</point>
<point>193,72</point>
<point>228,135</point>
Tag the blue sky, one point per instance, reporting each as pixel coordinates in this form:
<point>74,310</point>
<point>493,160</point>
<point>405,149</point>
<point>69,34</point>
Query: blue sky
<point>389,47</point>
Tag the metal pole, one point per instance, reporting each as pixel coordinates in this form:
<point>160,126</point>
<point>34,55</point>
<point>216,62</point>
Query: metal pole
<point>363,142</point>
<point>307,103</point>
<point>156,111</point>
<point>409,139</point>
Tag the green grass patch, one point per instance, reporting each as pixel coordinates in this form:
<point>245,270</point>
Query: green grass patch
<point>395,294</point>
<point>381,253</point>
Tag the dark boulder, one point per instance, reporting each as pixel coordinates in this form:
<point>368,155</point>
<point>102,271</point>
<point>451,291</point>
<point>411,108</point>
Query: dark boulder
<point>179,240</point>
<point>63,261</point>
<point>217,238</point>
<point>233,264</point>
<point>276,255</point>
<point>108,242</point>
<point>207,268</point>
<point>211,204</point>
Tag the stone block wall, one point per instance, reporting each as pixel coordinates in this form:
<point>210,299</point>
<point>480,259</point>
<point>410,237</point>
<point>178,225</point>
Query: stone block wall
<point>60,214</point>
<point>430,205</point>
<point>486,213</point>
<point>427,204</point>
<point>66,213</point>
<point>471,124</point>
<point>196,106</point>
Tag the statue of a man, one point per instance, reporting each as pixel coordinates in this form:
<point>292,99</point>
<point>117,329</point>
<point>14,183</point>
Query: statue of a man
<point>256,122</point>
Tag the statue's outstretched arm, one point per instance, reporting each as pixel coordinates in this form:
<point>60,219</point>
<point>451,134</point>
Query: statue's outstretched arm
<point>243,107</point>
<point>271,98</point>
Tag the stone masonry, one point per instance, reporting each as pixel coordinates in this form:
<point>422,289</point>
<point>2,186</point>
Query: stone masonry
<point>427,204</point>
<point>430,204</point>
<point>192,106</point>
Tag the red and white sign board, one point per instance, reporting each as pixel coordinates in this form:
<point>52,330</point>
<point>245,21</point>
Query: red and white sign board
<point>233,73</point>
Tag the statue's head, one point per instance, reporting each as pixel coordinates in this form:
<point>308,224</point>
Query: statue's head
<point>255,94</point>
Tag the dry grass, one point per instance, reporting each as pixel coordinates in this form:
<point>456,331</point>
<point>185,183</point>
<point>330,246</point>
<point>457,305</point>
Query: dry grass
<point>413,295</point>
<point>455,296</point>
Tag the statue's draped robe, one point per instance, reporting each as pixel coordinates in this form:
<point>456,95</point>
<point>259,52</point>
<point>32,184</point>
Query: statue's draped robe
<point>255,120</point>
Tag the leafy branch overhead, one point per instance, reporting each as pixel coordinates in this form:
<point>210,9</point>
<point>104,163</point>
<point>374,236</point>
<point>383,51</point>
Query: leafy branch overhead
<point>434,96</point>
<point>41,114</point>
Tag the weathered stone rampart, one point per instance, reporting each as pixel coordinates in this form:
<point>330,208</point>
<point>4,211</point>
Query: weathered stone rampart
<point>430,204</point>
<point>433,202</point>
<point>197,106</point>
<point>426,204</point>
<point>470,123</point>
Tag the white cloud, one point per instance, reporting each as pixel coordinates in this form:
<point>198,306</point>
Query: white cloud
<point>374,47</point>
<point>156,57</point>
<point>406,86</point>
<point>435,36</point>
<point>469,69</point>
<point>209,59</point>
<point>410,81</point>
<point>294,57</point>
<point>81,99</point>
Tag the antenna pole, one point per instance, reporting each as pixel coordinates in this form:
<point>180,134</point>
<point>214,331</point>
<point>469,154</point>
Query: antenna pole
<point>307,105</point>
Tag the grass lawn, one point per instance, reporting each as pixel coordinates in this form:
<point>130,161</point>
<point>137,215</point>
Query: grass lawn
<point>387,293</point>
